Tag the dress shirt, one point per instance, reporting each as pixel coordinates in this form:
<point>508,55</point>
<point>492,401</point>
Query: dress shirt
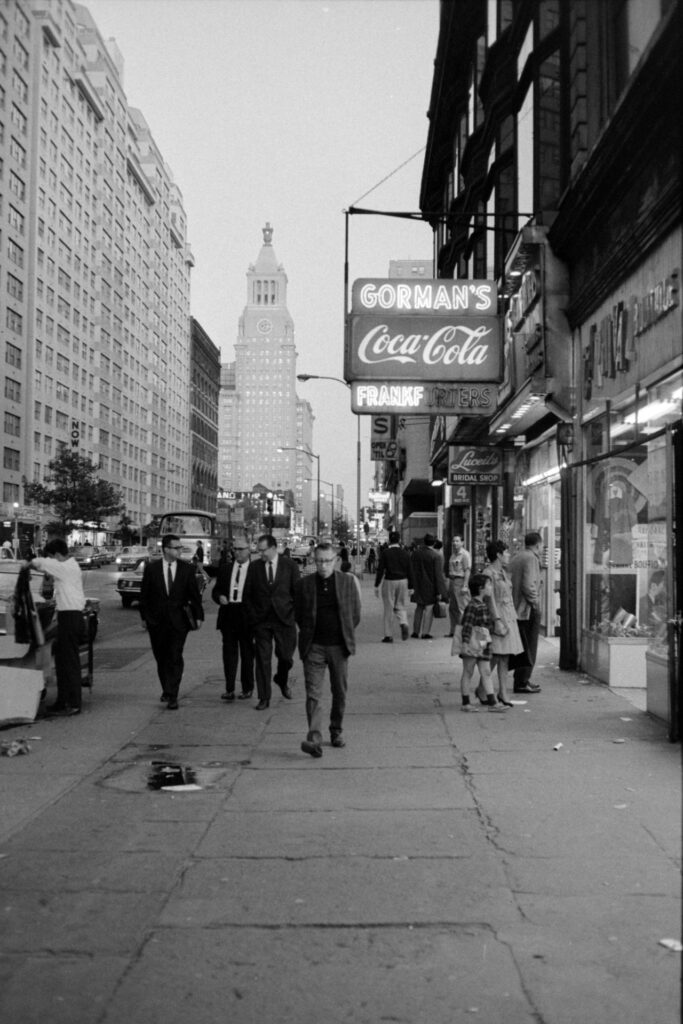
<point>274,565</point>
<point>239,575</point>
<point>169,567</point>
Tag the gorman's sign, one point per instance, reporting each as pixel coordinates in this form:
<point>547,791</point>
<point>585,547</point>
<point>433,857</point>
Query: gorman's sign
<point>474,465</point>
<point>425,330</point>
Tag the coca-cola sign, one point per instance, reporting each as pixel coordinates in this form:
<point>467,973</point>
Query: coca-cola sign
<point>428,330</point>
<point>474,465</point>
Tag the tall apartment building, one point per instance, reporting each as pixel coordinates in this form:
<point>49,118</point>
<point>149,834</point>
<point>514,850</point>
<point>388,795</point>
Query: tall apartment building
<point>262,422</point>
<point>205,367</point>
<point>95,275</point>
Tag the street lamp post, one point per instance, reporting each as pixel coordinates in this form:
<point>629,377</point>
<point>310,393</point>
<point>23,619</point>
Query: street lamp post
<point>318,376</point>
<point>331,486</point>
<point>307,451</point>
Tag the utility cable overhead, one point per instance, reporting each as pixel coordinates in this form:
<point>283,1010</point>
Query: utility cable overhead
<point>390,175</point>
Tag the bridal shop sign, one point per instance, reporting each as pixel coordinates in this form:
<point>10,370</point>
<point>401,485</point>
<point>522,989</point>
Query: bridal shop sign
<point>435,330</point>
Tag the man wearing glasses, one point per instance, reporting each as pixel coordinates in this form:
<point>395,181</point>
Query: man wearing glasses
<point>327,613</point>
<point>269,601</point>
<point>169,602</point>
<point>238,641</point>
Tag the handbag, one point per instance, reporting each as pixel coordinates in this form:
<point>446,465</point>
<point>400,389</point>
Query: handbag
<point>476,646</point>
<point>190,617</point>
<point>440,610</point>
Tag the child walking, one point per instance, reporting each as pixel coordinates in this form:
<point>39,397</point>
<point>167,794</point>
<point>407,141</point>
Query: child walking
<point>477,625</point>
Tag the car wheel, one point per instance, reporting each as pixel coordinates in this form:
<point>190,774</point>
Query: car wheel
<point>126,600</point>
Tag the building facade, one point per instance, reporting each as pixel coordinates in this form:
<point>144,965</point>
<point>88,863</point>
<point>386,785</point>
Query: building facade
<point>95,276</point>
<point>265,428</point>
<point>205,369</point>
<point>553,168</point>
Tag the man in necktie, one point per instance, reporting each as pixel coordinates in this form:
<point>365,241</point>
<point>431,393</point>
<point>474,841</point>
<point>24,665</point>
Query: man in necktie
<point>169,587</point>
<point>269,600</point>
<point>237,637</point>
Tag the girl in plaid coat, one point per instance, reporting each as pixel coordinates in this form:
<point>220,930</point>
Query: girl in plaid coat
<point>477,626</point>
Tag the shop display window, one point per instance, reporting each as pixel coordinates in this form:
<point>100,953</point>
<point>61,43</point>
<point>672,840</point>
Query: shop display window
<point>626,543</point>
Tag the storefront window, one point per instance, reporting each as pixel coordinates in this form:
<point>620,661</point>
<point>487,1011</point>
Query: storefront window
<point>626,544</point>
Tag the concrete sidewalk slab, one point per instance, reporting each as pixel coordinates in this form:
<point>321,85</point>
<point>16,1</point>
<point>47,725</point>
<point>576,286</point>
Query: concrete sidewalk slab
<point>438,868</point>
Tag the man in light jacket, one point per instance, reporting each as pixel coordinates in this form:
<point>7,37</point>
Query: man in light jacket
<point>525,570</point>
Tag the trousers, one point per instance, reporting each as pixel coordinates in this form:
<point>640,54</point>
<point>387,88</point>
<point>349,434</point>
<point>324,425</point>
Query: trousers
<point>319,658</point>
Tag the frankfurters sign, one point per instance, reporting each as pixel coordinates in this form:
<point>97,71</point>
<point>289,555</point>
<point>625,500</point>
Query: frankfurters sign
<point>434,330</point>
<point>437,398</point>
<point>474,465</point>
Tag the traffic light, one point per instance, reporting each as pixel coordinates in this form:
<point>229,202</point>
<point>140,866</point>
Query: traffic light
<point>269,504</point>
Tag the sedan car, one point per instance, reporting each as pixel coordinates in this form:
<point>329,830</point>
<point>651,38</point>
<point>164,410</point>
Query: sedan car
<point>129,557</point>
<point>129,586</point>
<point>89,557</point>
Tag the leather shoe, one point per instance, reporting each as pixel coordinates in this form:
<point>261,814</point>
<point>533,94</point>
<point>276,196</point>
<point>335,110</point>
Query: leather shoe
<point>337,741</point>
<point>172,704</point>
<point>427,636</point>
<point>62,711</point>
<point>405,632</point>
<point>387,639</point>
<point>245,696</point>
<point>262,705</point>
<point>528,688</point>
<point>414,636</point>
<point>314,749</point>
<point>284,688</point>
<point>227,696</point>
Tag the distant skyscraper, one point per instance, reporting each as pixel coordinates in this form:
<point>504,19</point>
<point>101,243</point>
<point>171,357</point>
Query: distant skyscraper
<point>95,270</point>
<point>259,408</point>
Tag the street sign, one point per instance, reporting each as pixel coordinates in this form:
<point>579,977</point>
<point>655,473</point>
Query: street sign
<point>384,451</point>
<point>474,465</point>
<point>442,398</point>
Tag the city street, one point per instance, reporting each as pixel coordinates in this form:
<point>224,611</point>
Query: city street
<point>516,868</point>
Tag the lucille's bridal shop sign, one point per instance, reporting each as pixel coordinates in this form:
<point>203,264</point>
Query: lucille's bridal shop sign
<point>435,330</point>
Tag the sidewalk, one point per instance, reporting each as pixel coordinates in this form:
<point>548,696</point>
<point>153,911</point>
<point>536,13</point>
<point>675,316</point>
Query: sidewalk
<point>440,868</point>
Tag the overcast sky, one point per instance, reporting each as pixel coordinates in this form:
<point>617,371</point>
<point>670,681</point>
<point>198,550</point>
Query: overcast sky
<point>287,111</point>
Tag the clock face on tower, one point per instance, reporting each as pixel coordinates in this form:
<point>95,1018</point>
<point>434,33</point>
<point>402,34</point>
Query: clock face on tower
<point>264,326</point>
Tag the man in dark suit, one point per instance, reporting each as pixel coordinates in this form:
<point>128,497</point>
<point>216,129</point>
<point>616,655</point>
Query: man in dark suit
<point>238,641</point>
<point>269,601</point>
<point>169,588</point>
<point>327,613</point>
<point>426,567</point>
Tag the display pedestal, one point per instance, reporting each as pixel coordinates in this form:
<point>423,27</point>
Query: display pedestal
<point>617,661</point>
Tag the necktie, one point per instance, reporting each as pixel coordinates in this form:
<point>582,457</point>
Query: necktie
<point>237,580</point>
<point>270,573</point>
<point>169,579</point>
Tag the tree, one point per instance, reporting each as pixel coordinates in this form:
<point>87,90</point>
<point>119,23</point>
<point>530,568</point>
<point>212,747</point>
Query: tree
<point>74,491</point>
<point>342,530</point>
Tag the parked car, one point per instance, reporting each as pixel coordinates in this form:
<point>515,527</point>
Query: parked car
<point>129,557</point>
<point>129,586</point>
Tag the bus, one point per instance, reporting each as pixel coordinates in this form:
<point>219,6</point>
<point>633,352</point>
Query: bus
<point>192,526</point>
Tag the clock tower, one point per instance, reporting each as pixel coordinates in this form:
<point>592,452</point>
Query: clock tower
<point>268,414</point>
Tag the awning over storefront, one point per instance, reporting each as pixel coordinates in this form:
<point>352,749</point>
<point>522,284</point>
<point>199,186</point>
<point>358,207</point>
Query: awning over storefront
<point>418,488</point>
<point>524,410</point>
